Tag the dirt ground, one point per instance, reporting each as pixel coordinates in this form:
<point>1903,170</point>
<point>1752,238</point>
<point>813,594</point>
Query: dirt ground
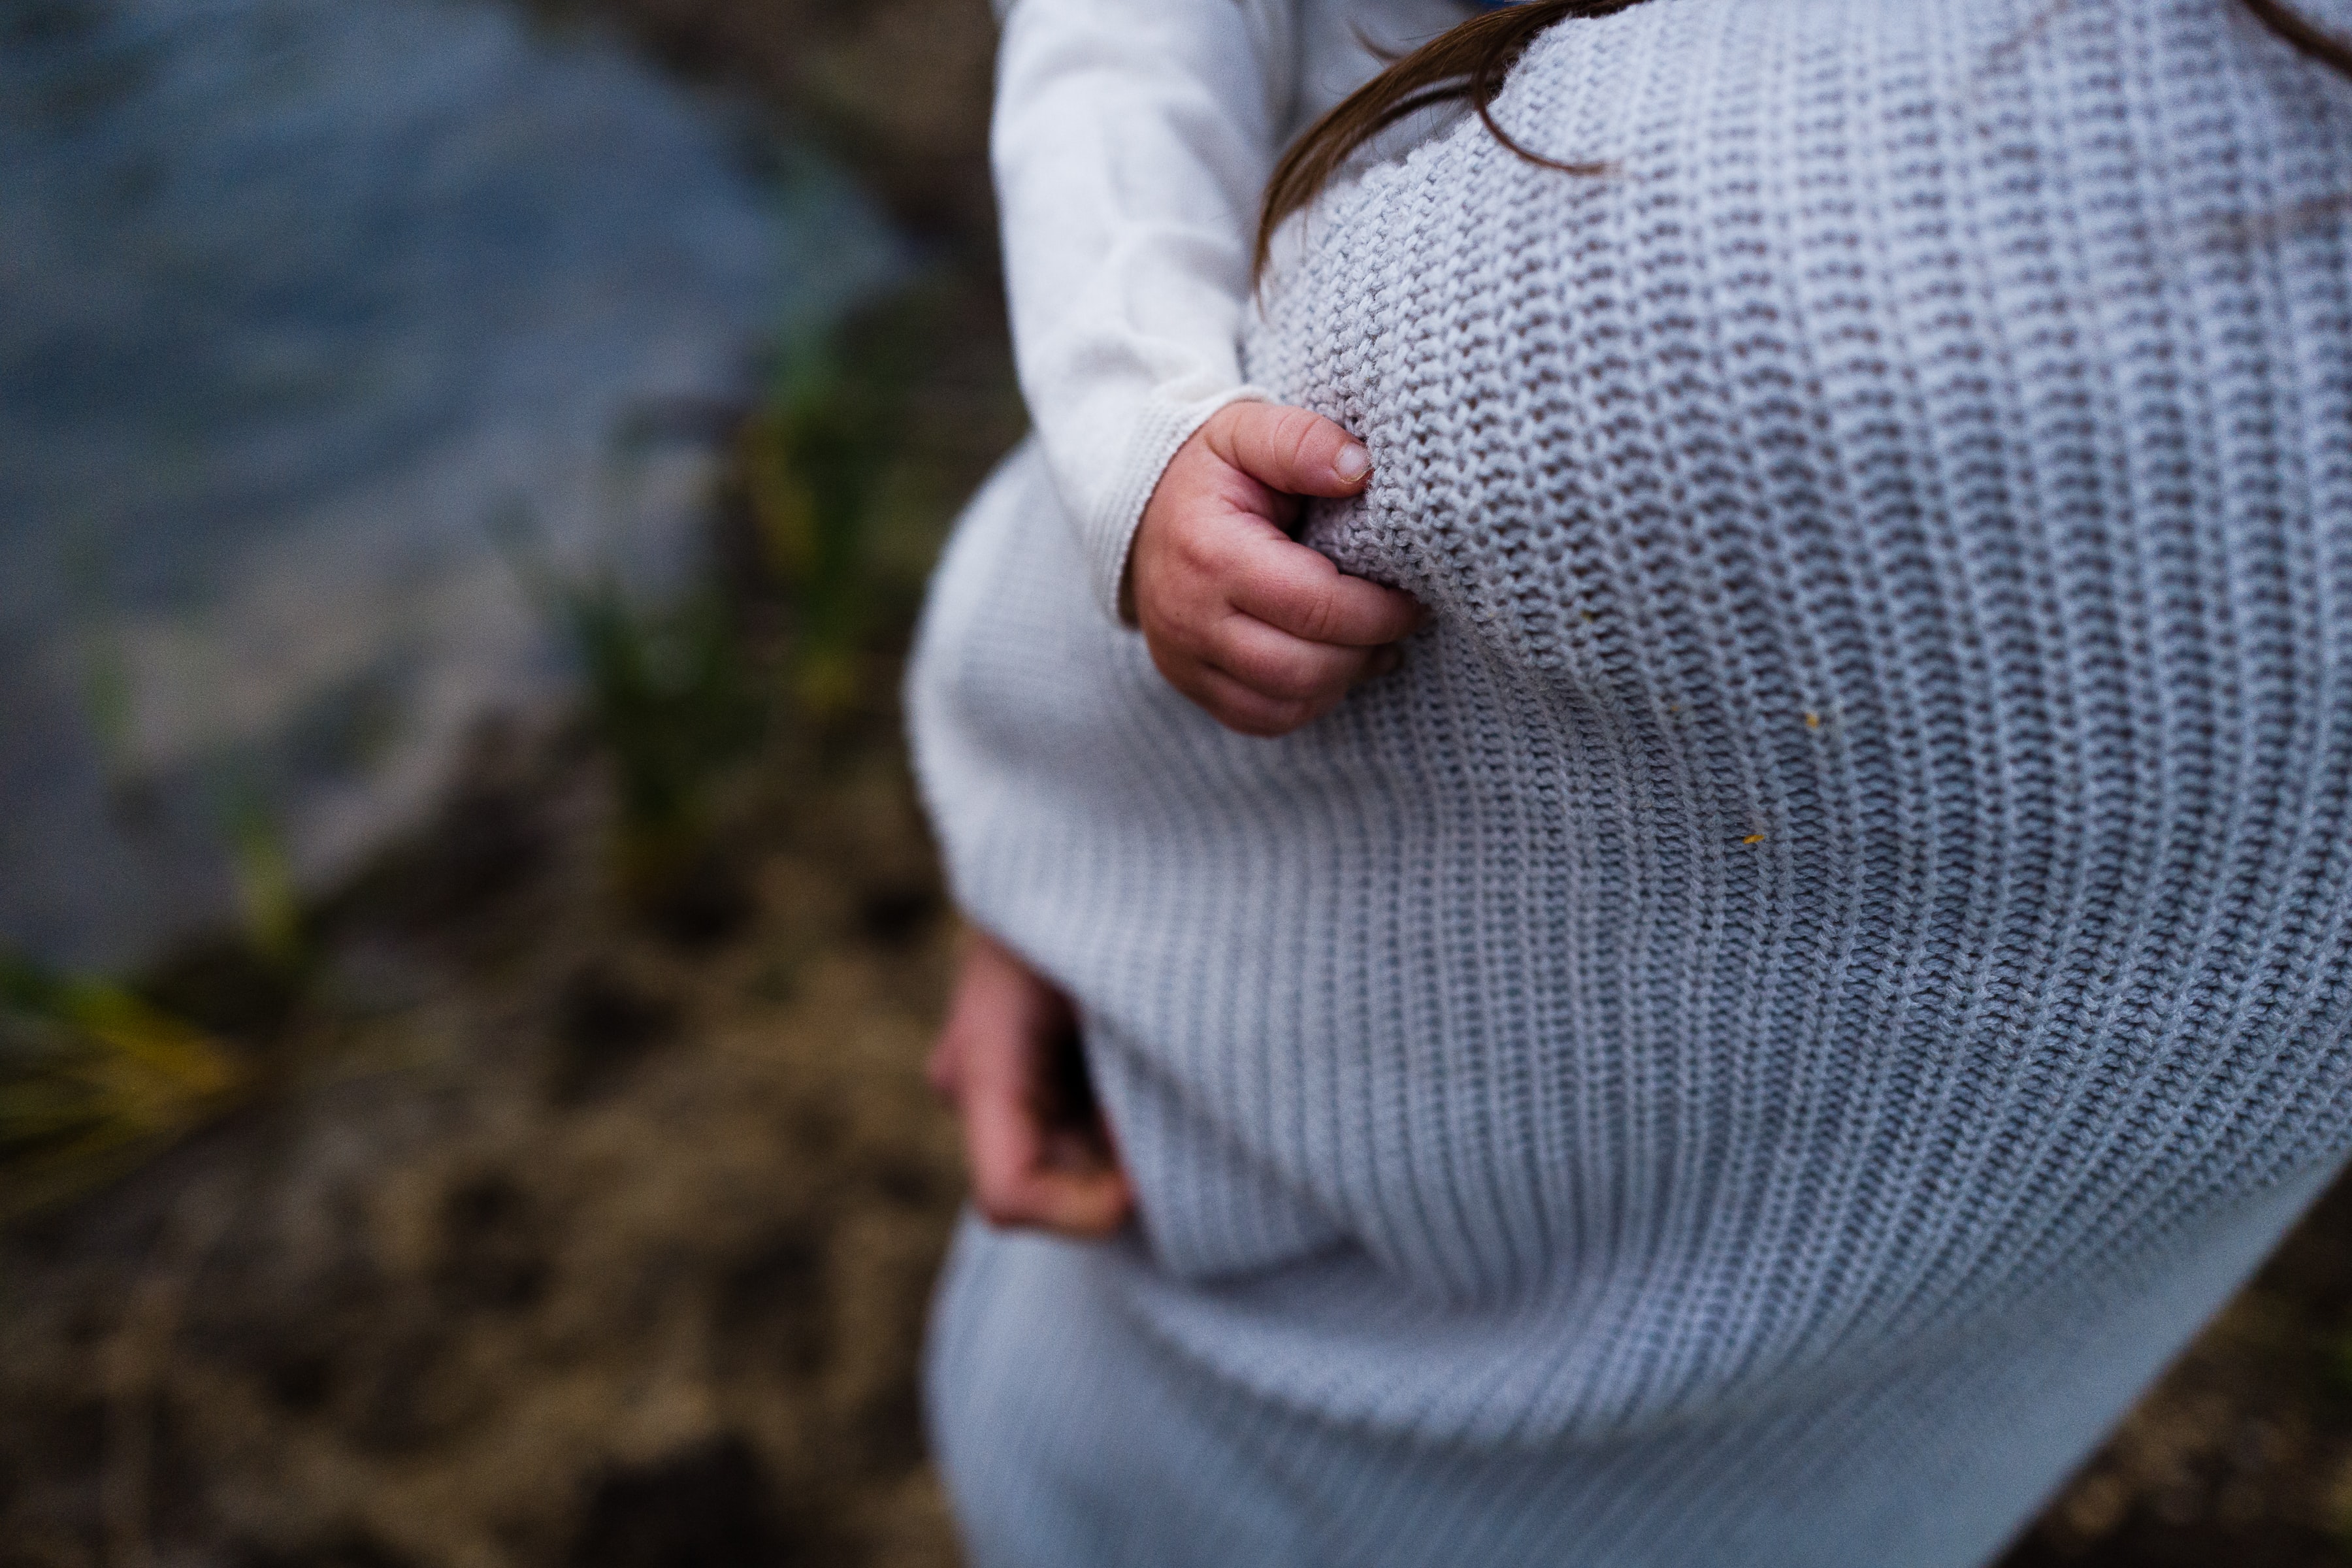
<point>568,1236</point>
<point>565,1239</point>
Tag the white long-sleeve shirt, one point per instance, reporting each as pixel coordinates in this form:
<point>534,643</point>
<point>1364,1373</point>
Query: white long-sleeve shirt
<point>1131,141</point>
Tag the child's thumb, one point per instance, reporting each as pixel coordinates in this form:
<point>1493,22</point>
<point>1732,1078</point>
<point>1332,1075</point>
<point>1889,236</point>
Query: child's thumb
<point>1290,450</point>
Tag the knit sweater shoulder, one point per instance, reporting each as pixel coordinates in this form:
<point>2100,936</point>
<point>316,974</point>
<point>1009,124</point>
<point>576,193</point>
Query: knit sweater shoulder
<point>1859,864</point>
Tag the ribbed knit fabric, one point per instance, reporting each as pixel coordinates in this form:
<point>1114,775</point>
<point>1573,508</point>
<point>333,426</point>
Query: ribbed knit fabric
<point>1835,952</point>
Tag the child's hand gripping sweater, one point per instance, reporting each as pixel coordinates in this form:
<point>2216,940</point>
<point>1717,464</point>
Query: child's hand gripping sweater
<point>1131,140</point>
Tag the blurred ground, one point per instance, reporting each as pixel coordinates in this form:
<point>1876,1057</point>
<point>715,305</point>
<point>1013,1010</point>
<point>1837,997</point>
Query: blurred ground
<point>567,1239</point>
<point>574,1227</point>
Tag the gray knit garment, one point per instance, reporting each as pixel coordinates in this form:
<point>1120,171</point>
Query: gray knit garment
<point>1835,952</point>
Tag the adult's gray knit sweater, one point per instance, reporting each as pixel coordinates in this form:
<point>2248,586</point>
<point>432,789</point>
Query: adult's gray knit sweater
<point>1835,952</point>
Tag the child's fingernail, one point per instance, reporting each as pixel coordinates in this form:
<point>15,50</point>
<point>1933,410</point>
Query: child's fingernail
<point>1352,463</point>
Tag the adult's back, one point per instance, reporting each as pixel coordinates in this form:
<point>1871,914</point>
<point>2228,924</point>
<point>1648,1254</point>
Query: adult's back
<point>1831,956</point>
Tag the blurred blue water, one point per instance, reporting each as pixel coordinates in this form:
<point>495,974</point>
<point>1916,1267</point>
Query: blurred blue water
<point>296,297</point>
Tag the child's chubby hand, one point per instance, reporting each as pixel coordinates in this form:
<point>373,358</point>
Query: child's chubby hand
<point>1256,627</point>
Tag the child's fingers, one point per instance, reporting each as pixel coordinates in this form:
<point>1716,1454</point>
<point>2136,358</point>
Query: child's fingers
<point>1288,449</point>
<point>1284,682</point>
<point>1278,666</point>
<point>1293,589</point>
<point>1238,707</point>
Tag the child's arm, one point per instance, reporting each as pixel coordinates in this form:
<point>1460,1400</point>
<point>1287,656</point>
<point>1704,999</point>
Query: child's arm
<point>1130,142</point>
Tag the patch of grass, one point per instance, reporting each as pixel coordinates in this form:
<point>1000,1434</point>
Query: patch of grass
<point>815,459</point>
<point>268,901</point>
<point>668,693</point>
<point>778,633</point>
<point>92,1080</point>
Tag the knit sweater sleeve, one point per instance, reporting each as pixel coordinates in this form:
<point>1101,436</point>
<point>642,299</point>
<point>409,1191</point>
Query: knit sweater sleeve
<point>1129,144</point>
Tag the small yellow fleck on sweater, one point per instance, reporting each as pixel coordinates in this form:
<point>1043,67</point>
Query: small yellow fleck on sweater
<point>1812,720</point>
<point>1753,838</point>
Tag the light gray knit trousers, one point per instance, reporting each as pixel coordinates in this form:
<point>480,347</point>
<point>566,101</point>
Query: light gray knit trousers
<point>1835,952</point>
